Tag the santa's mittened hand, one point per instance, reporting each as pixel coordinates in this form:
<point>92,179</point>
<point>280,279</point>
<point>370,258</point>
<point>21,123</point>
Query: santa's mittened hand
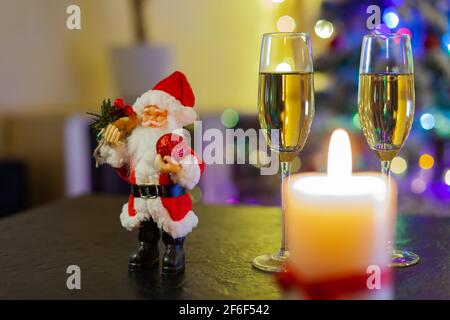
<point>174,166</point>
<point>112,134</point>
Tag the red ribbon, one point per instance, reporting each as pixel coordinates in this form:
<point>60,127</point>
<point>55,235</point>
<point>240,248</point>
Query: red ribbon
<point>329,289</point>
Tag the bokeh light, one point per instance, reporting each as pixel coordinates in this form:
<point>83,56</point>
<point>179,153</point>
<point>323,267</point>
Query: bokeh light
<point>405,31</point>
<point>355,121</point>
<point>278,1</point>
<point>399,165</point>
<point>427,121</point>
<point>229,118</point>
<point>447,177</point>
<point>446,41</point>
<point>283,67</point>
<point>391,19</point>
<point>322,81</point>
<point>324,29</point>
<point>442,125</point>
<point>426,161</point>
<point>296,164</point>
<point>258,158</point>
<point>418,185</point>
<point>286,24</point>
<point>440,120</point>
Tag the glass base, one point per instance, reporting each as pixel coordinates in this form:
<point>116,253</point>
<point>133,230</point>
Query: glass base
<point>403,258</point>
<point>274,262</point>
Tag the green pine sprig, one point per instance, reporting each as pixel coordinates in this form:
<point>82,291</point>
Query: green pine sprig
<point>108,113</point>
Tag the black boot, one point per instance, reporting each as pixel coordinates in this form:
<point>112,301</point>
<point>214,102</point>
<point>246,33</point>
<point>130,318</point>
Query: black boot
<point>173,261</point>
<point>146,254</point>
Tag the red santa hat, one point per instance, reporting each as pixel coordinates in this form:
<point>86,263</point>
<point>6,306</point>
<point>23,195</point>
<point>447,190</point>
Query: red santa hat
<point>178,87</point>
<point>174,94</point>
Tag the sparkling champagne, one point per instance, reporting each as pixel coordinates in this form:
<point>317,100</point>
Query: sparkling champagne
<point>386,111</point>
<point>286,103</point>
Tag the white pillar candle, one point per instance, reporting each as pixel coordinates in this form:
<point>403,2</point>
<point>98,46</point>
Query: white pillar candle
<point>339,224</point>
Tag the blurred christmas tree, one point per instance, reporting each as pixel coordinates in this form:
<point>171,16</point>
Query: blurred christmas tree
<point>427,22</point>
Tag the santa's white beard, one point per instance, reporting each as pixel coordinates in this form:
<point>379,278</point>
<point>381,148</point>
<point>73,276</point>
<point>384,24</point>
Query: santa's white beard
<point>143,141</point>
<point>141,148</point>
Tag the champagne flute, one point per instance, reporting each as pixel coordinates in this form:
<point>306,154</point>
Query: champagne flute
<point>286,111</point>
<point>386,104</point>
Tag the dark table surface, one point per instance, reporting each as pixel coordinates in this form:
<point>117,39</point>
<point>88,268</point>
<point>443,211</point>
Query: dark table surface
<point>37,246</point>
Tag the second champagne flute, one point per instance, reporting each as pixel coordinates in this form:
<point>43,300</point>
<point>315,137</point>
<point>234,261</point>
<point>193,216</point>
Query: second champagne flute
<point>286,111</point>
<point>386,104</point>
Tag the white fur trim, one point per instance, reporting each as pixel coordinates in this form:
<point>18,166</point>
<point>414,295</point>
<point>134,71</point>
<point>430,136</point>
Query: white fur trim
<point>184,226</point>
<point>183,115</point>
<point>189,174</point>
<point>186,116</point>
<point>153,208</point>
<point>115,155</point>
<point>178,229</point>
<point>130,223</point>
<point>162,218</point>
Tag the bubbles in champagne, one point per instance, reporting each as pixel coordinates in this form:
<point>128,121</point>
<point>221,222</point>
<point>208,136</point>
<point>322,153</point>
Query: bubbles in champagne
<point>386,111</point>
<point>286,109</point>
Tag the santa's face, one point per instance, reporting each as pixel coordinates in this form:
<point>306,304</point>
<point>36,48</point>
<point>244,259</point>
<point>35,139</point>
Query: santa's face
<point>154,117</point>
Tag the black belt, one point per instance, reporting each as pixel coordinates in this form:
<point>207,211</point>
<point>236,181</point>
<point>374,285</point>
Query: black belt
<point>154,191</point>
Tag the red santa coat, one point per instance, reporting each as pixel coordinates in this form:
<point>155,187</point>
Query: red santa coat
<point>173,214</point>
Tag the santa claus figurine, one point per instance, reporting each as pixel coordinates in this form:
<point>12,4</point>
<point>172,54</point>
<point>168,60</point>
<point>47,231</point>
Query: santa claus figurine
<point>144,150</point>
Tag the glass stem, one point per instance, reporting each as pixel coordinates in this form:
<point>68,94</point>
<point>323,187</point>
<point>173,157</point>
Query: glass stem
<point>386,169</point>
<point>285,172</point>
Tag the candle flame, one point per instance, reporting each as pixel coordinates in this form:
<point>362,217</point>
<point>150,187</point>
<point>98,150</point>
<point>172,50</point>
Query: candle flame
<point>339,155</point>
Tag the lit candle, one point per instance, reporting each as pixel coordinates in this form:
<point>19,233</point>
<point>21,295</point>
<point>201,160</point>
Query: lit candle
<point>339,224</point>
